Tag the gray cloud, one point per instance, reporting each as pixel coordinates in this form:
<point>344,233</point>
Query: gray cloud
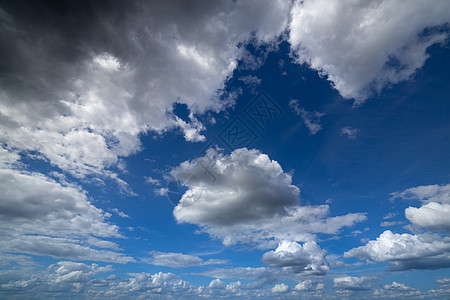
<point>247,197</point>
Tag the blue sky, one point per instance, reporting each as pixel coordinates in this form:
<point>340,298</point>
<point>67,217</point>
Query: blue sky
<point>224,149</point>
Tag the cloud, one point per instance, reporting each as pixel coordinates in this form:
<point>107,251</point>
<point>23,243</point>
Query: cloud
<point>396,290</point>
<point>152,181</point>
<point>280,288</point>
<point>245,273</point>
<point>311,119</point>
<point>293,257</point>
<point>309,286</point>
<point>426,193</point>
<point>390,223</point>
<point>180,260</point>
<point>354,283</point>
<point>82,92</point>
<point>406,251</point>
<point>216,284</point>
<point>365,46</point>
<point>120,214</point>
<point>63,277</point>
<point>40,216</point>
<point>433,214</point>
<point>247,197</point>
<point>351,133</point>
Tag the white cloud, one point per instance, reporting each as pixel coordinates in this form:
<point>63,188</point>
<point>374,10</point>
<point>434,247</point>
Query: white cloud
<point>246,197</point>
<point>354,283</point>
<point>180,260</point>
<point>311,119</point>
<point>433,214</point>
<point>426,193</point>
<point>120,214</point>
<point>280,288</point>
<point>153,181</point>
<point>351,133</point>
<point>364,46</point>
<point>389,215</point>
<point>406,251</point>
<point>396,290</point>
<point>216,284</point>
<point>43,217</point>
<point>309,286</point>
<point>84,109</point>
<point>390,223</point>
<point>293,257</point>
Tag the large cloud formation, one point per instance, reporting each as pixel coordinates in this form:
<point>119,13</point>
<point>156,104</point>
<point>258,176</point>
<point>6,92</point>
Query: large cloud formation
<point>364,46</point>
<point>247,197</point>
<point>81,80</point>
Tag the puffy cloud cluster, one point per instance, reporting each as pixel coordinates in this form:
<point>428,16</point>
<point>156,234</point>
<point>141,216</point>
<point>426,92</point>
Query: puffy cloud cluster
<point>364,46</point>
<point>247,197</point>
<point>293,257</point>
<point>309,286</point>
<point>406,251</point>
<point>414,251</point>
<point>67,279</point>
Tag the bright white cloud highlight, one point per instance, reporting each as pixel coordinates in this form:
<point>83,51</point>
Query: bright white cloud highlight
<point>364,46</point>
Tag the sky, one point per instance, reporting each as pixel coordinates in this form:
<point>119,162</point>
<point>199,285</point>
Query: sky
<point>224,149</point>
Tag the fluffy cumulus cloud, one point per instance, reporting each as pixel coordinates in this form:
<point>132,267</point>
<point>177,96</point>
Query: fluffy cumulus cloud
<point>433,214</point>
<point>280,288</point>
<point>80,94</point>
<point>364,46</point>
<point>41,216</point>
<point>247,197</point>
<point>293,257</point>
<point>180,260</point>
<point>406,251</point>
